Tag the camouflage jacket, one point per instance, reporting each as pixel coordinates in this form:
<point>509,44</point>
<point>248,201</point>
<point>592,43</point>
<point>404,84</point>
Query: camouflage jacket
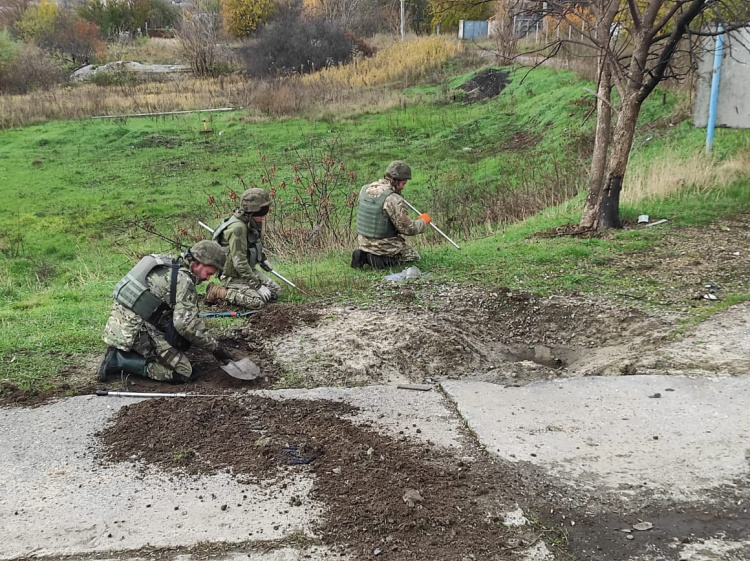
<point>235,239</point>
<point>399,215</point>
<point>124,324</point>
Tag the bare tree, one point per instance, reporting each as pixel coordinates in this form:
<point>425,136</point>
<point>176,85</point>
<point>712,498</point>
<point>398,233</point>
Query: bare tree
<point>637,44</point>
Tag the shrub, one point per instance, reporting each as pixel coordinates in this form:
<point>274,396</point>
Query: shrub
<point>291,45</point>
<point>78,40</point>
<point>39,22</point>
<point>31,68</point>
<point>242,17</point>
<point>199,37</point>
<point>128,16</point>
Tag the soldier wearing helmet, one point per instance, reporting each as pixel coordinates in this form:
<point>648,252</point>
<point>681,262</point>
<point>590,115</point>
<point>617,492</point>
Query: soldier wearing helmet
<point>155,317</point>
<point>383,221</point>
<point>242,284</point>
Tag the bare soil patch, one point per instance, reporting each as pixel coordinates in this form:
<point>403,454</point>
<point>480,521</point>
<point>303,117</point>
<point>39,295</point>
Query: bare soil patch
<point>382,495</point>
<point>485,85</point>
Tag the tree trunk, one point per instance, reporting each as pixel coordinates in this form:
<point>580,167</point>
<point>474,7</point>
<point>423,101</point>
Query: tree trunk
<point>601,143</point>
<point>606,207</point>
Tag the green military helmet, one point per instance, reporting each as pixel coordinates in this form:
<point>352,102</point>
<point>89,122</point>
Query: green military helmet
<point>253,200</point>
<point>398,170</point>
<point>209,253</point>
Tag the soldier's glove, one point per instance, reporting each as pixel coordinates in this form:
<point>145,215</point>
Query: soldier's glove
<point>222,354</point>
<point>265,293</point>
<point>425,217</point>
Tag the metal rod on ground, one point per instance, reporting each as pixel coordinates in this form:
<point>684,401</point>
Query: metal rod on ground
<point>267,267</point>
<point>225,314</point>
<point>107,393</point>
<point>439,231</point>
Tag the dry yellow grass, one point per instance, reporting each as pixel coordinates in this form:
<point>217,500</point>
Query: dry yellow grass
<point>406,63</point>
<point>670,173</point>
<point>341,91</point>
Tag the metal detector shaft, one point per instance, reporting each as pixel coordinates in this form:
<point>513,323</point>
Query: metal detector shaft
<point>286,280</point>
<point>107,393</point>
<point>438,230</point>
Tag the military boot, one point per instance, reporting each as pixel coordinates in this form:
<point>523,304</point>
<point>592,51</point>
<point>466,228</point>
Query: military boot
<point>116,360</point>
<point>359,258</point>
<point>215,292</point>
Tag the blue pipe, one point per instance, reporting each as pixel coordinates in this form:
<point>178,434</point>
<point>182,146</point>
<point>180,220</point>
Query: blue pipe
<point>714,101</point>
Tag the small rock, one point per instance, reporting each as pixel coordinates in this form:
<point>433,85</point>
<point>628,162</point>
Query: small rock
<point>412,497</point>
<point>629,537</point>
<point>377,552</point>
<point>223,507</point>
<point>642,526</point>
<point>656,395</point>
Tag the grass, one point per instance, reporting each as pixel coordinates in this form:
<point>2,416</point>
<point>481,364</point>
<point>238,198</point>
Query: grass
<point>76,192</point>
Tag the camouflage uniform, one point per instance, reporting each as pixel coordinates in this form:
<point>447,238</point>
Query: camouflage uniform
<point>398,215</point>
<point>127,331</point>
<point>241,278</point>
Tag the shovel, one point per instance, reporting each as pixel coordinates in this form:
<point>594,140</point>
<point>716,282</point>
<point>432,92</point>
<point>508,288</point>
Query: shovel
<point>243,369</point>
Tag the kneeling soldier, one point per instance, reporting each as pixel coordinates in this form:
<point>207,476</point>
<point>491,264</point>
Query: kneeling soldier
<point>155,317</point>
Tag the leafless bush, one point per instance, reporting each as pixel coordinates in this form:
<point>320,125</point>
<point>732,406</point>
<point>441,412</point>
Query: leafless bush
<point>30,69</point>
<point>199,36</point>
<point>316,213</point>
<point>291,44</point>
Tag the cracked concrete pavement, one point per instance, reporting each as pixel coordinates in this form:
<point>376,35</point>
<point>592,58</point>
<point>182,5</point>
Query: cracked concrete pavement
<point>630,438</point>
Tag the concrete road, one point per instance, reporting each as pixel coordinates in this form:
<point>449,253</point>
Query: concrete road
<point>669,438</point>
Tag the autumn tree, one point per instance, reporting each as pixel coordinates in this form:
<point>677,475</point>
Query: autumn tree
<point>242,17</point>
<point>449,12</point>
<point>38,22</point>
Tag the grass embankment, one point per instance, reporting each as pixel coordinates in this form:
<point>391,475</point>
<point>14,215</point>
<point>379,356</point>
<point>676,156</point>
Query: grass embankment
<point>72,190</point>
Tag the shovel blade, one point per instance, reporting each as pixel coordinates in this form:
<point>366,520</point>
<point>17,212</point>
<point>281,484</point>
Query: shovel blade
<point>243,369</point>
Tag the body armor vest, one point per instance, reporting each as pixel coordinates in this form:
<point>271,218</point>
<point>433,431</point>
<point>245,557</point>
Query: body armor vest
<point>371,220</point>
<point>255,253</point>
<point>133,293</point>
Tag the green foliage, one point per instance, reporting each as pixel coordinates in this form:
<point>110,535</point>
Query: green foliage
<point>8,48</point>
<point>116,16</point>
<point>39,22</point>
<point>242,17</point>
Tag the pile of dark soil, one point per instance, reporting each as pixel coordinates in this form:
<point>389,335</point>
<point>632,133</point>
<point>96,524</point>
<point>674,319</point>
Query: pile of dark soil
<point>485,85</point>
<point>382,495</point>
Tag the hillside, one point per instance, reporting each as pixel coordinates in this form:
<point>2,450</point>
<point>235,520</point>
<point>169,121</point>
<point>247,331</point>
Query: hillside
<point>104,185</point>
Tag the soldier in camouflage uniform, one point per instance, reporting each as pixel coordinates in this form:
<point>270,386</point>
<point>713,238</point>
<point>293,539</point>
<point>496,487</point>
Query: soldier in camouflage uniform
<point>155,316</point>
<point>383,221</point>
<point>242,284</point>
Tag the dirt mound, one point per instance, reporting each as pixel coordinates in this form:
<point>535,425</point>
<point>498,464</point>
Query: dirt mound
<point>455,331</point>
<point>384,495</point>
<point>485,85</point>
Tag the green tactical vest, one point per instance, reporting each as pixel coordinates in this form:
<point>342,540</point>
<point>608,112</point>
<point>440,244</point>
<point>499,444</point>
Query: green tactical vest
<point>133,293</point>
<point>371,220</point>
<point>254,245</point>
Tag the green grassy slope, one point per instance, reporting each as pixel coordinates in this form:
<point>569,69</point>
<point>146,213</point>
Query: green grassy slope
<point>69,190</point>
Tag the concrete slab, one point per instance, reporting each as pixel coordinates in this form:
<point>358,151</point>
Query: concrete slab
<point>677,435</point>
<point>57,500</point>
<point>392,410</point>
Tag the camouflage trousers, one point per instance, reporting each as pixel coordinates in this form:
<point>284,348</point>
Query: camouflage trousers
<point>392,247</point>
<point>240,294</point>
<point>128,332</point>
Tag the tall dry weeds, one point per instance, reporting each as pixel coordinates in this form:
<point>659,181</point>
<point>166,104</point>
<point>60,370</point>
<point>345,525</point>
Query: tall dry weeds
<point>672,173</point>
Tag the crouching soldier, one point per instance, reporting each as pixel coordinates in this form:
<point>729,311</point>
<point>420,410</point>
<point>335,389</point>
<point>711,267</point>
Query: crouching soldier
<point>155,317</point>
<point>383,221</point>
<point>242,284</point>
